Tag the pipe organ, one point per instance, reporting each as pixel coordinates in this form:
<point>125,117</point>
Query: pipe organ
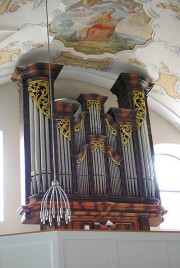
<point>104,160</point>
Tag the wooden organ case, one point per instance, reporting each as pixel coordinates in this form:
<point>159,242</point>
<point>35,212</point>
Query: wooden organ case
<point>104,160</point>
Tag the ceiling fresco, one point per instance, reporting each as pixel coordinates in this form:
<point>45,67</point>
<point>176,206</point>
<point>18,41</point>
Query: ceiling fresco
<point>100,38</point>
<point>104,28</point>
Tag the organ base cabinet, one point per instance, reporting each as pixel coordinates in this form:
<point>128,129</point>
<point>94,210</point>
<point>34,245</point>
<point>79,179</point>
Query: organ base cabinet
<point>124,214</point>
<point>104,161</point>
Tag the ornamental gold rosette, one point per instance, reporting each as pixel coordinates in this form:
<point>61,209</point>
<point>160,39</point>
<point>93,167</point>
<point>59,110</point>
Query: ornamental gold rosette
<point>140,107</point>
<point>39,92</point>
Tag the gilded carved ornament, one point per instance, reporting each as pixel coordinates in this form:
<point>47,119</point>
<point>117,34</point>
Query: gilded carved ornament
<point>110,128</point>
<point>39,92</point>
<point>96,144</point>
<point>91,103</point>
<point>79,126</point>
<point>140,107</point>
<point>112,158</point>
<point>64,126</point>
<point>126,133</point>
<point>83,156</point>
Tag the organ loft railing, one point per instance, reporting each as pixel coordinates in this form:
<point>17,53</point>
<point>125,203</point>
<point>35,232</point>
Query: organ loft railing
<point>104,160</point>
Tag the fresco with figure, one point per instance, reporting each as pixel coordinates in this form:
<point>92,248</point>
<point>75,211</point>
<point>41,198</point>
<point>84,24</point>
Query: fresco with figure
<point>98,27</point>
<point>97,36</point>
<point>11,6</point>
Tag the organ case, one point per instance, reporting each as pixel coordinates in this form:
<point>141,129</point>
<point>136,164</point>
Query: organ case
<point>104,160</point>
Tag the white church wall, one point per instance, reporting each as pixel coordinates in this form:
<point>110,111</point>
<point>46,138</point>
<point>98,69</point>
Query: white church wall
<point>162,130</point>
<point>9,124</point>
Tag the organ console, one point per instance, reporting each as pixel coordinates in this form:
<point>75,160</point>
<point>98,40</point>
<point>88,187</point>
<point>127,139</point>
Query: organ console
<point>104,160</point>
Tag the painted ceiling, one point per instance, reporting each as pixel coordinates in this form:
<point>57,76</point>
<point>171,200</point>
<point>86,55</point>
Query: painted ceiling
<point>96,40</point>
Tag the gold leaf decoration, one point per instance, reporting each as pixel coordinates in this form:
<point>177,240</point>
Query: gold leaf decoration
<point>91,103</point>
<point>112,158</point>
<point>64,126</point>
<point>140,107</point>
<point>83,156</point>
<point>126,133</point>
<point>79,126</point>
<point>110,128</point>
<point>39,92</point>
<point>96,144</point>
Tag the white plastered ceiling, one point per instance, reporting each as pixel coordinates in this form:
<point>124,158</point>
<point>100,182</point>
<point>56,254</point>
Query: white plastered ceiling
<point>96,40</point>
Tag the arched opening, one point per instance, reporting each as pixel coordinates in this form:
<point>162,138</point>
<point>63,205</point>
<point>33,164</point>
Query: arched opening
<point>167,165</point>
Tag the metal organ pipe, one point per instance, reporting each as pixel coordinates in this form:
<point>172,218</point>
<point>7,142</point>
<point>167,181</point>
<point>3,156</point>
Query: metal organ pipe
<point>82,166</point>
<point>39,135</point>
<point>60,172</point>
<point>42,151</point>
<point>149,160</point>
<point>64,157</point>
<point>37,148</point>
<point>115,178</point>
<point>129,159</point>
<point>98,118</point>
<point>96,172</point>
<point>91,120</point>
<point>114,169</point>
<point>103,171</point>
<point>94,115</point>
<point>95,122</point>
<point>130,168</point>
<point>127,173</point>
<point>69,165</point>
<point>86,177</point>
<point>79,134</point>
<point>99,165</point>
<point>144,144</point>
<point>139,101</point>
<point>66,162</point>
<point>134,168</point>
<point>40,148</point>
<point>32,147</point>
<point>47,147</point>
<point>96,188</point>
<point>152,175</point>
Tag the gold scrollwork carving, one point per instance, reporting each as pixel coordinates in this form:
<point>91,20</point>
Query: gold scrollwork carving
<point>126,133</point>
<point>110,128</point>
<point>96,144</point>
<point>83,157</point>
<point>64,126</point>
<point>39,92</point>
<point>140,107</point>
<point>112,158</point>
<point>79,126</point>
<point>91,103</point>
